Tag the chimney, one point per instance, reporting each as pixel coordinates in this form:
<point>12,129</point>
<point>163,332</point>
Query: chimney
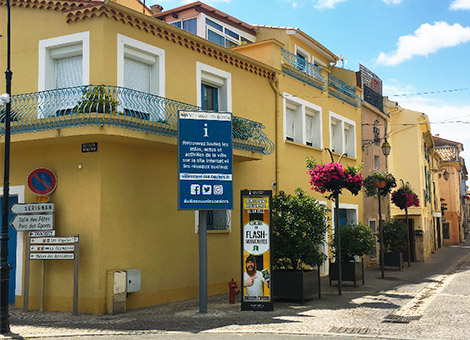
<point>156,9</point>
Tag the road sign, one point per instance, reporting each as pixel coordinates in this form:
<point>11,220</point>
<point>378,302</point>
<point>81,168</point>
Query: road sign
<point>46,249</point>
<point>32,208</point>
<point>32,222</point>
<point>53,240</point>
<point>42,181</point>
<point>205,160</point>
<point>51,256</point>
<point>42,233</point>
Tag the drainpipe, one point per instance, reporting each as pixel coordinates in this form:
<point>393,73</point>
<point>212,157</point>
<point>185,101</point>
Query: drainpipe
<point>275,86</point>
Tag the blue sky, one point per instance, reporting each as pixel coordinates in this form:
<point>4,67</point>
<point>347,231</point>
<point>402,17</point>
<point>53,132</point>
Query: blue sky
<point>414,46</point>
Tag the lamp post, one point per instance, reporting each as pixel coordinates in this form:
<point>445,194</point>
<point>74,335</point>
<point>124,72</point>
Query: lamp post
<point>4,266</point>
<point>386,148</point>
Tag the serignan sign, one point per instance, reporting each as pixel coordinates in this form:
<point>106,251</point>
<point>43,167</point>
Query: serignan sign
<point>205,160</point>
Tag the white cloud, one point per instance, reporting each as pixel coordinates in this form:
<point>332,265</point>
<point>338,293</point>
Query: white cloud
<point>329,4</point>
<point>460,4</point>
<point>425,40</point>
<point>392,2</point>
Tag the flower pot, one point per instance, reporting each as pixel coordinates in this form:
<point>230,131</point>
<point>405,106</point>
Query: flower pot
<point>394,260</point>
<point>350,271</point>
<point>380,183</point>
<point>296,284</point>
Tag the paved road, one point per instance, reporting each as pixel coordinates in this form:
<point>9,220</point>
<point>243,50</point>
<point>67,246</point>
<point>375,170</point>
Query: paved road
<point>426,301</point>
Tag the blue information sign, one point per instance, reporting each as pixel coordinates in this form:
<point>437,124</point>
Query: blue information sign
<point>205,160</point>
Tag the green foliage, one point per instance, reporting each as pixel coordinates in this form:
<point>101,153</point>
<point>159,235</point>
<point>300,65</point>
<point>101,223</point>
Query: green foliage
<point>371,188</point>
<point>298,231</point>
<point>97,100</point>
<point>356,240</point>
<point>395,235</point>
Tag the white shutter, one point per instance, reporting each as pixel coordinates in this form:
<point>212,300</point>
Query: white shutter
<point>69,72</point>
<point>136,75</point>
<point>290,123</point>
<point>309,129</point>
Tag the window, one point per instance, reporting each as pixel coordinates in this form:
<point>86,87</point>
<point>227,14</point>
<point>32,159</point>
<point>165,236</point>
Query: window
<point>189,25</point>
<point>141,67</point>
<point>302,121</point>
<point>377,162</point>
<point>303,58</point>
<point>216,220</point>
<point>64,61</point>
<point>223,36</point>
<point>214,93</point>
<point>342,135</point>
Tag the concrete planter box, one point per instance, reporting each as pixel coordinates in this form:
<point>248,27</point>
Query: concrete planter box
<point>350,271</point>
<point>296,284</point>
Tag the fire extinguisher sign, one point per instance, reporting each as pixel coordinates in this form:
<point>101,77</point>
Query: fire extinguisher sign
<point>256,254</point>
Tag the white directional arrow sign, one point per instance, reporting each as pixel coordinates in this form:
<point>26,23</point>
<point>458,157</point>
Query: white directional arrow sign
<point>32,208</point>
<point>32,222</point>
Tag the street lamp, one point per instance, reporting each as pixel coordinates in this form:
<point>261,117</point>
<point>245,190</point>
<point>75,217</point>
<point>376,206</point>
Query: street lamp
<point>4,266</point>
<point>386,148</point>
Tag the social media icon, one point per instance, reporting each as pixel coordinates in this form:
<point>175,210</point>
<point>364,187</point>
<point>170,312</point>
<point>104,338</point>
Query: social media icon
<point>218,189</point>
<point>195,189</point>
<point>206,189</point>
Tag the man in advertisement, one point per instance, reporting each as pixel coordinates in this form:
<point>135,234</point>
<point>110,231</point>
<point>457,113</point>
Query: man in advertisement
<point>253,279</point>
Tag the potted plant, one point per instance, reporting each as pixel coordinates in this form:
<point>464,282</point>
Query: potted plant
<point>405,198</point>
<point>298,233</point>
<point>97,99</point>
<point>357,240</point>
<point>379,180</point>
<point>394,234</point>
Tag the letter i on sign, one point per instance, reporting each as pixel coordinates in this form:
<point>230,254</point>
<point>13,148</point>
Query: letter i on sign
<point>206,130</point>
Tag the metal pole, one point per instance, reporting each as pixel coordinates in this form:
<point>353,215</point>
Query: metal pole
<point>382,261</point>
<point>408,237</point>
<point>338,244</point>
<point>4,266</point>
<point>202,262</point>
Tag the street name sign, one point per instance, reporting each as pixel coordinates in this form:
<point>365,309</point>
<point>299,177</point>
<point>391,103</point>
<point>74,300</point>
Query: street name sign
<point>48,233</point>
<point>205,160</point>
<point>32,222</point>
<point>32,208</point>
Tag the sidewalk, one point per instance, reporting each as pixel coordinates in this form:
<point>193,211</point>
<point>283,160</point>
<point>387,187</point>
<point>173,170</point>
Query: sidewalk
<point>360,310</point>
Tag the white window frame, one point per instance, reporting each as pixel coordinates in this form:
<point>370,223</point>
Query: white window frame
<point>307,56</point>
<point>342,121</point>
<point>145,53</point>
<point>302,106</point>
<point>46,71</point>
<point>218,78</point>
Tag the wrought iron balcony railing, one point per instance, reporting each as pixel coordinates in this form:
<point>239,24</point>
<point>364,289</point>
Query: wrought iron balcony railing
<point>303,70</point>
<point>341,90</point>
<point>115,106</point>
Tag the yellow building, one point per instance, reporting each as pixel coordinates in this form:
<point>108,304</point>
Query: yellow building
<point>113,146</point>
<point>413,159</point>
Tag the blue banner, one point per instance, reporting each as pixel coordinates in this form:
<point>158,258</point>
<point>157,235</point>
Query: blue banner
<point>205,160</point>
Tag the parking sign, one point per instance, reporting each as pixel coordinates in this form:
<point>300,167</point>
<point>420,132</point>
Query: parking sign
<point>205,160</point>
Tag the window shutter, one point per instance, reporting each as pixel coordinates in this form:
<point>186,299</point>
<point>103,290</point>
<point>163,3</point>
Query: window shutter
<point>69,72</point>
<point>136,75</point>
<point>290,128</point>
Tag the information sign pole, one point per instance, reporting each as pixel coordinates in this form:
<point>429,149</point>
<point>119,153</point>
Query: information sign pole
<point>204,174</point>
<point>202,262</point>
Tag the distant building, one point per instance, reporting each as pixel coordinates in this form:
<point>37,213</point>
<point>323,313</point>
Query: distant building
<point>453,189</point>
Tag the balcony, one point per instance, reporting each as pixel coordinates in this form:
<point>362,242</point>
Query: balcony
<point>341,90</point>
<point>302,70</point>
<point>103,105</point>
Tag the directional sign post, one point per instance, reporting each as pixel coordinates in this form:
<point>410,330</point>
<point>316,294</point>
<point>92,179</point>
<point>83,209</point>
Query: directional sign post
<point>32,222</point>
<point>32,208</point>
<point>51,248</point>
<point>204,174</point>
